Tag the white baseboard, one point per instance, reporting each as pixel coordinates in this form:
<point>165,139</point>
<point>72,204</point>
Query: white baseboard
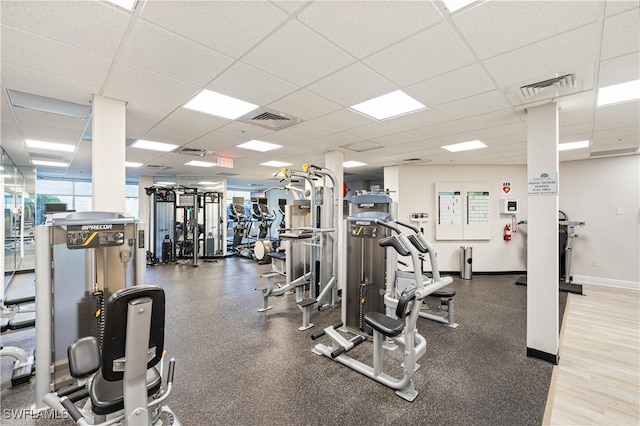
<point>606,282</point>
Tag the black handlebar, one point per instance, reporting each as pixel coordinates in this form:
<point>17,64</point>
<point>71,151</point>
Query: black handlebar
<point>387,225</point>
<point>172,367</point>
<point>71,409</point>
<point>413,228</point>
<point>321,333</point>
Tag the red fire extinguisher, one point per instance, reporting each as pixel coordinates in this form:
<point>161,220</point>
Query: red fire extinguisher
<point>507,232</point>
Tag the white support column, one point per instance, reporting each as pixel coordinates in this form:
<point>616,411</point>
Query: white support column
<point>145,208</point>
<point>108,154</point>
<point>333,161</point>
<point>542,235</point>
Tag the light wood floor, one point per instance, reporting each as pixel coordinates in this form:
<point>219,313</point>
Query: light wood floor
<point>597,381</point>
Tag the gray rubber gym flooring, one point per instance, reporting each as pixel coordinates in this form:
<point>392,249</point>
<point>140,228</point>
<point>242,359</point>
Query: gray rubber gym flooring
<point>236,366</point>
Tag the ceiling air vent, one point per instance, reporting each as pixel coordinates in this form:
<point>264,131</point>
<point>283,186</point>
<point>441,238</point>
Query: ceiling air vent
<point>615,152</point>
<point>566,82</point>
<point>156,167</point>
<point>195,152</point>
<point>269,119</point>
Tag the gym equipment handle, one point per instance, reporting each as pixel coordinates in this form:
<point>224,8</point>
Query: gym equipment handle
<point>387,225</point>
<point>339,351</point>
<point>172,367</point>
<point>413,228</point>
<point>71,409</point>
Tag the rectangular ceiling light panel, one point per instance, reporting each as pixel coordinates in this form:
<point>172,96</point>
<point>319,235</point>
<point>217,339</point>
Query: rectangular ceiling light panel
<point>49,163</point>
<point>132,164</point>
<point>350,164</point>
<point>153,146</point>
<point>387,106</point>
<point>465,146</point>
<point>219,105</point>
<point>573,145</point>
<point>455,5</point>
<point>618,93</point>
<point>259,146</point>
<point>49,146</point>
<point>275,164</point>
<point>200,164</point>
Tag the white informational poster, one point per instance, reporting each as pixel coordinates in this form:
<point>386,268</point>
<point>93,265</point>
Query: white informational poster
<point>542,184</point>
<point>464,211</point>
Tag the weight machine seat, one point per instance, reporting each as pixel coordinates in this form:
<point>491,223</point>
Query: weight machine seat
<point>107,387</point>
<point>443,293</point>
<point>381,323</point>
<point>277,255</point>
<point>108,397</point>
<point>388,326</point>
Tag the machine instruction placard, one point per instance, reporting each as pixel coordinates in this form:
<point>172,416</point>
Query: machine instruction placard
<point>98,235</point>
<point>464,211</point>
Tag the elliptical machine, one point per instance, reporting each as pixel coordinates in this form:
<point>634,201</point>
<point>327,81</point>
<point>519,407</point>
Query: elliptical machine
<point>385,326</point>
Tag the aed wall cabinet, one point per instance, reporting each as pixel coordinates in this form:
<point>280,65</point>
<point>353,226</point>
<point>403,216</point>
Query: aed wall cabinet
<point>509,206</point>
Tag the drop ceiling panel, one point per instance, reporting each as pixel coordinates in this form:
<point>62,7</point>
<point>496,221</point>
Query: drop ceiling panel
<point>430,53</point>
<point>458,84</point>
<point>474,105</point>
<point>216,141</point>
<point>243,130</point>
<point>425,117</point>
<point>49,127</point>
<point>342,120</point>
<point>362,28</point>
<point>438,130</point>
<point>199,122</point>
<point>170,133</point>
<point>512,129</point>
<point>305,105</point>
<point>352,85</point>
<point>93,26</point>
<point>333,141</point>
<point>614,7</point>
<point>250,84</point>
<point>619,115</point>
<point>230,27</point>
<point>560,54</point>
<point>291,6</point>
<point>45,56</point>
<point>620,34</point>
<point>30,81</point>
<point>619,70</point>
<point>576,132</point>
<point>307,130</point>
<point>317,57</point>
<point>484,27</point>
<point>373,130</point>
<point>155,49</point>
<point>142,114</point>
<point>395,139</point>
<point>139,83</point>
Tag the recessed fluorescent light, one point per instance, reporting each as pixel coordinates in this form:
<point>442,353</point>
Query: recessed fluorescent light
<point>348,164</point>
<point>275,164</point>
<point>49,163</point>
<point>165,183</point>
<point>200,164</point>
<point>49,105</point>
<point>132,164</point>
<point>51,146</point>
<point>221,105</point>
<point>617,93</point>
<point>573,145</point>
<point>464,146</point>
<point>126,4</point>
<point>387,106</point>
<point>208,183</point>
<point>153,146</point>
<point>259,146</point>
<point>453,5</point>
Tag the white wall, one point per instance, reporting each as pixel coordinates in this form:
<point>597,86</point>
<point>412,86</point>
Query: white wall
<point>594,191</point>
<point>590,190</point>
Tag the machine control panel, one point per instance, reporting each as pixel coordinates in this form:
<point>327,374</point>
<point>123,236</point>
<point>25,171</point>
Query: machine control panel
<point>98,235</point>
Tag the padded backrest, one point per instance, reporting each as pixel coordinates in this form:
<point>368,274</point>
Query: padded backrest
<point>406,297</point>
<point>115,331</point>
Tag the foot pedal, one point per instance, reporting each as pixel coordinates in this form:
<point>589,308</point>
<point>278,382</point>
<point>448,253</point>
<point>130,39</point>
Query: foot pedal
<point>23,373</point>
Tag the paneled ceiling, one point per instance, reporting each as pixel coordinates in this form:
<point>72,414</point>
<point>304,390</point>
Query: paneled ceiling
<point>313,60</point>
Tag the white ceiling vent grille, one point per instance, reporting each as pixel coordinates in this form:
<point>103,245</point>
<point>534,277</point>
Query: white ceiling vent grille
<point>551,88</point>
<point>195,152</point>
<point>615,152</point>
<point>156,167</point>
<point>564,83</point>
<point>269,119</point>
